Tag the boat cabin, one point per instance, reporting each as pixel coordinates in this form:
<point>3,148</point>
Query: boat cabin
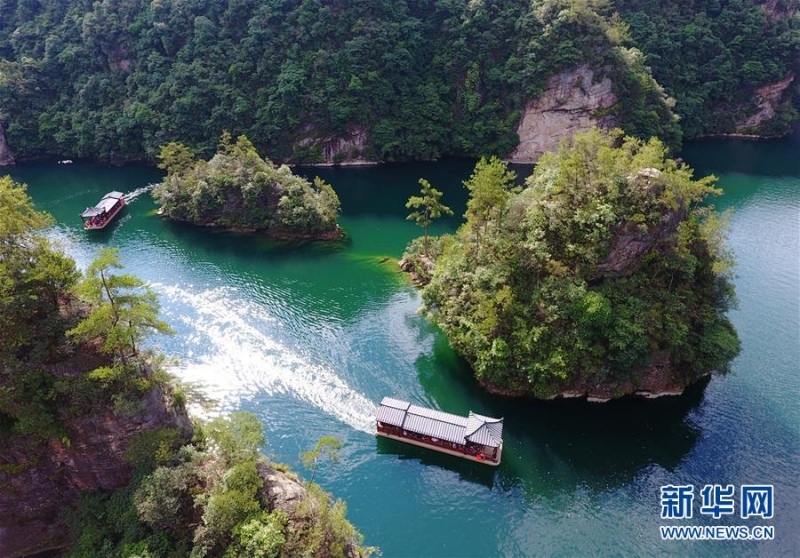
<point>103,213</point>
<point>474,437</point>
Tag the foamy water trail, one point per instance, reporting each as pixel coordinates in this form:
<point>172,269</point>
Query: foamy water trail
<point>231,358</point>
<point>130,196</point>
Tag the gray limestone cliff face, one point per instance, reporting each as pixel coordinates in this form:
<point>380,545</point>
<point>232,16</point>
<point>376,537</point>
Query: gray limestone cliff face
<point>6,156</point>
<point>569,105</point>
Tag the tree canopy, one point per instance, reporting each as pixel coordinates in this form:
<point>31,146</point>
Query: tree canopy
<point>428,207</point>
<point>417,80</point>
<point>607,260</point>
<point>70,363</point>
<point>123,309</point>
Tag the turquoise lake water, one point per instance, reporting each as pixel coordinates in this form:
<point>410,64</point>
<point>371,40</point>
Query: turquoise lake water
<point>310,338</point>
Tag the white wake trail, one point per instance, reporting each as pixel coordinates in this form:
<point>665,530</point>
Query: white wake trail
<point>130,196</point>
<point>234,359</point>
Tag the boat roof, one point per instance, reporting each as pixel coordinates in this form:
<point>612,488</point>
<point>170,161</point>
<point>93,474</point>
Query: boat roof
<point>475,428</point>
<point>105,204</point>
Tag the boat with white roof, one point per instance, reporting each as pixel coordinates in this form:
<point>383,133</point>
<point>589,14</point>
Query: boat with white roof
<point>474,437</point>
<point>97,217</point>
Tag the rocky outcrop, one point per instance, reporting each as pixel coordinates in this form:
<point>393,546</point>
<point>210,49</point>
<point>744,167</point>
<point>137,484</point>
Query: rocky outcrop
<point>658,378</point>
<point>6,156</point>
<point>570,105</point>
<point>633,243</point>
<point>282,490</point>
<point>334,150</point>
<point>766,101</point>
<point>39,480</point>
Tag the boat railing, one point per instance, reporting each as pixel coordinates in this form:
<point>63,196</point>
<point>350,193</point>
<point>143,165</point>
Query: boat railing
<point>450,446</point>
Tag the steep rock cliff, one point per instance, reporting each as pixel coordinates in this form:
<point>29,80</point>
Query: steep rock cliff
<point>334,150</point>
<point>40,480</point>
<point>6,156</point>
<point>568,106</point>
<point>766,102</point>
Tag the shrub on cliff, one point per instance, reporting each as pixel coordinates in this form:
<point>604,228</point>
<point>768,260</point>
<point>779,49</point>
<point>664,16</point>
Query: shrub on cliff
<point>605,260</point>
<point>239,189</point>
<point>35,279</point>
<point>213,498</point>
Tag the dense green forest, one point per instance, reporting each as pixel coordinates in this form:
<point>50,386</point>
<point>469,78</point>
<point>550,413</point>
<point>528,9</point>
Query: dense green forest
<point>425,78</point>
<point>421,78</point>
<point>605,263</point>
<point>712,55</point>
<point>239,189</point>
<point>72,371</point>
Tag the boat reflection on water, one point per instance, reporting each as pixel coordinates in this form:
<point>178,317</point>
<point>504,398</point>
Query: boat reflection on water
<point>469,471</point>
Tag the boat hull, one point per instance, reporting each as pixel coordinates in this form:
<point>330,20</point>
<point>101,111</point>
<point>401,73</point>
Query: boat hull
<point>468,457</point>
<point>107,221</point>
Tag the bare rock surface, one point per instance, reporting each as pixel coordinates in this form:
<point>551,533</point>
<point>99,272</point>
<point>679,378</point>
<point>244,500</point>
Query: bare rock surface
<point>767,100</point>
<point>39,479</point>
<point>6,156</point>
<point>568,106</point>
<point>335,150</point>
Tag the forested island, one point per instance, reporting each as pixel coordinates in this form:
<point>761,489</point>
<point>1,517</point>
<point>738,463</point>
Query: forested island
<point>311,82</point>
<point>98,456</point>
<point>605,276</point>
<point>239,190</point>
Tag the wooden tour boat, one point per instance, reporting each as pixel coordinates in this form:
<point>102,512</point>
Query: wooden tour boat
<point>97,217</point>
<point>475,437</point>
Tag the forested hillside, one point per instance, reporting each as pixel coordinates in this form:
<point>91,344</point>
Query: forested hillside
<point>384,80</point>
<point>712,56</point>
<point>398,80</point>
<point>605,276</point>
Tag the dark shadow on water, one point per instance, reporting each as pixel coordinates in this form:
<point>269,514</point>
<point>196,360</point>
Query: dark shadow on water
<point>383,190</point>
<point>569,441</point>
<point>467,470</point>
<point>772,157</point>
<point>247,245</point>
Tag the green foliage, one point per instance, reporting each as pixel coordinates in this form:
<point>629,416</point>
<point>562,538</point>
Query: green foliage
<point>237,188</point>
<point>420,260</point>
<point>431,208</point>
<point>123,309</point>
<point>711,57</point>
<point>606,259</point>
<point>153,447</point>
<point>34,282</point>
<point>260,537</point>
<point>327,446</point>
<point>208,499</point>
<point>321,528</point>
<point>489,188</point>
<point>237,438</point>
<point>118,80</point>
<point>175,158</point>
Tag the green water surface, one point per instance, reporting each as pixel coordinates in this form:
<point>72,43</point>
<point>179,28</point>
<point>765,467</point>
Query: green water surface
<point>311,337</point>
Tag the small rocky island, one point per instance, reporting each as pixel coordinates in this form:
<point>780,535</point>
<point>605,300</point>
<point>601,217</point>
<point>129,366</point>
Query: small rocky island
<point>604,277</point>
<point>239,190</point>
